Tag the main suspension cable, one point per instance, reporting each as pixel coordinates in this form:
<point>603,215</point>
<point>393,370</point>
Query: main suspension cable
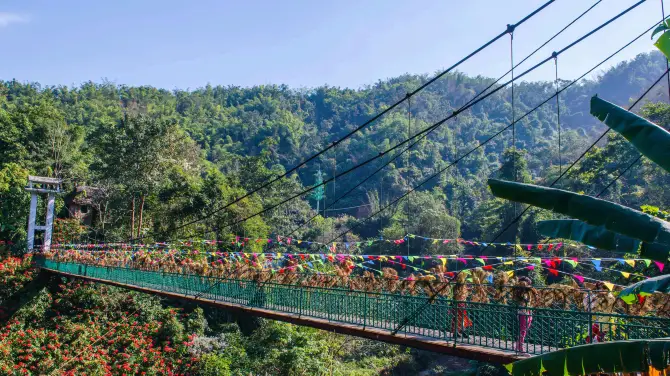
<point>454,114</point>
<point>428,133</point>
<point>508,126</point>
<point>360,127</point>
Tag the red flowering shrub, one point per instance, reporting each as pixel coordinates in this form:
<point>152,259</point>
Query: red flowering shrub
<point>15,272</point>
<point>94,330</point>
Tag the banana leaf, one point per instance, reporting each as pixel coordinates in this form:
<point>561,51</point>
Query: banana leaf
<point>649,139</point>
<point>594,211</point>
<point>610,357</point>
<point>646,287</point>
<point>655,251</point>
<point>663,44</point>
<point>595,236</point>
<point>661,28</point>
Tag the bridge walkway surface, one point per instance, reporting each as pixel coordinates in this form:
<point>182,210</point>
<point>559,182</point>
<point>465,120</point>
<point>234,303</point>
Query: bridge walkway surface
<point>379,316</point>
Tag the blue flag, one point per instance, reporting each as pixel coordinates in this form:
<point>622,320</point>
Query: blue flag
<point>596,263</point>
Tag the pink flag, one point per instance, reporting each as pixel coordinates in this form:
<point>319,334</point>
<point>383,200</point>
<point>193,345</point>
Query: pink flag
<point>579,278</point>
<point>660,265</point>
<point>530,267</point>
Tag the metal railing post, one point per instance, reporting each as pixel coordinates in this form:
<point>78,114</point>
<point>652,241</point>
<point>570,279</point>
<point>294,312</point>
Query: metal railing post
<point>365,309</point>
<point>301,298</point>
<point>590,316</point>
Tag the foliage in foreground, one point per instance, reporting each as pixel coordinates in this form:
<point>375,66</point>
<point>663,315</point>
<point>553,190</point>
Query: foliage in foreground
<point>72,327</point>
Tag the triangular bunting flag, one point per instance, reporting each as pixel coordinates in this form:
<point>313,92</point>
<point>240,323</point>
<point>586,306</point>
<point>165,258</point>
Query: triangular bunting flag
<point>596,263</point>
<point>573,263</point>
<point>660,265</point>
<point>631,263</point>
<point>625,274</point>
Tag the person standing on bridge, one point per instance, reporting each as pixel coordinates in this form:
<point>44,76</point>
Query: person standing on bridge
<point>524,295</point>
<point>460,317</point>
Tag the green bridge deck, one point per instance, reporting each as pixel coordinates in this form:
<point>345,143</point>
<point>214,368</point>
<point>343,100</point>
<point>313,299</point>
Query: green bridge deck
<point>494,329</point>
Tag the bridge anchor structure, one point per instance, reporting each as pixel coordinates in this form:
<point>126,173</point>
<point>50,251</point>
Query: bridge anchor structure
<point>50,187</point>
<point>403,319</point>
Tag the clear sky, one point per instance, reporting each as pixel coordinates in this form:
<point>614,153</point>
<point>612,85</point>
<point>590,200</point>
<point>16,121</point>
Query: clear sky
<point>301,43</point>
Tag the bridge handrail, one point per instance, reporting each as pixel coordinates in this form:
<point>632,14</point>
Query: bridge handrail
<point>375,293</point>
<point>492,325</point>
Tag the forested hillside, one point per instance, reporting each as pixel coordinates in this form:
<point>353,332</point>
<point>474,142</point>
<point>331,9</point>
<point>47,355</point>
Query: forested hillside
<point>179,154</point>
<point>149,160</point>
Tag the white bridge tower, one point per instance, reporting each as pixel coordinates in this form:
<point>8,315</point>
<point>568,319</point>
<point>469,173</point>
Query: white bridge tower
<point>50,187</point>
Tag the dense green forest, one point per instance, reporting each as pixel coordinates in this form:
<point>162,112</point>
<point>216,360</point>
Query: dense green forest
<point>179,154</point>
<point>152,159</point>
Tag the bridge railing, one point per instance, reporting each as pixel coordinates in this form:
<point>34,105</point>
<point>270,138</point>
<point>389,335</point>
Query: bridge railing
<point>483,324</point>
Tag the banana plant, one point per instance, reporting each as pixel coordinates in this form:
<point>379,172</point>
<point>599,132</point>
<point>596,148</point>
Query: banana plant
<point>663,42</point>
<point>649,356</point>
<point>591,210</point>
<point>645,288</point>
<point>600,222</point>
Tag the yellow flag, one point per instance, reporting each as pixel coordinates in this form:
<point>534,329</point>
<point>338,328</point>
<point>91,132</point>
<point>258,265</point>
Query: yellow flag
<point>392,257</point>
<point>523,260</point>
<point>444,261</point>
<point>630,262</point>
<point>625,274</point>
<point>510,273</point>
<point>299,241</point>
<point>508,263</point>
<point>518,248</point>
<point>278,255</point>
<point>383,258</point>
<point>435,241</point>
<point>609,285</point>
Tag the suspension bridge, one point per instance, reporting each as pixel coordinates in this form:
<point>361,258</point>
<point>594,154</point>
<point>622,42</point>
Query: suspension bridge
<point>428,321</point>
<point>424,322</point>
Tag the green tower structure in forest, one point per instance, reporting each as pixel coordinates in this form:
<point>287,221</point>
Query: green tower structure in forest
<point>318,193</point>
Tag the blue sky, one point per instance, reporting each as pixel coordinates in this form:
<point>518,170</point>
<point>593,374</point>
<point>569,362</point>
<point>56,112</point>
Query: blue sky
<point>347,43</point>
